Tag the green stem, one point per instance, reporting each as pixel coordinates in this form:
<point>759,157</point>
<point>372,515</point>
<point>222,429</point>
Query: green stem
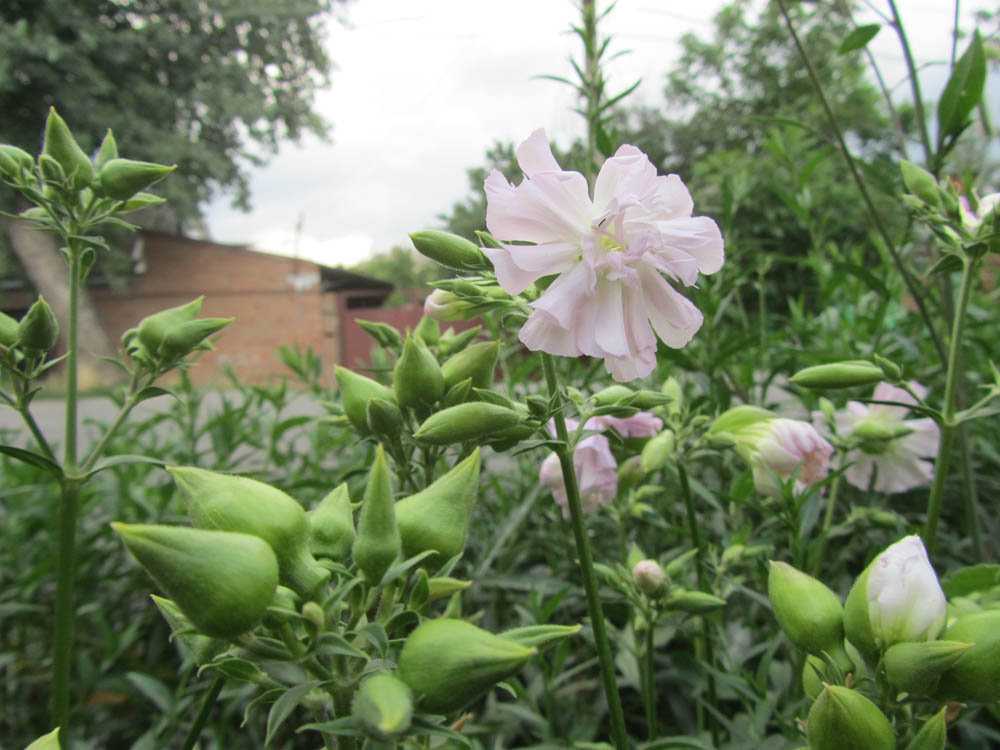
<point>918,100</point>
<point>948,426</point>
<point>831,506</point>
<point>32,425</point>
<point>207,702</point>
<point>648,683</point>
<point>565,455</point>
<point>119,420</point>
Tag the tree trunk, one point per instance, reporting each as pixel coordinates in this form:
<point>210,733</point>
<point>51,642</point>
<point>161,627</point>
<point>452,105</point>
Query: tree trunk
<point>39,254</point>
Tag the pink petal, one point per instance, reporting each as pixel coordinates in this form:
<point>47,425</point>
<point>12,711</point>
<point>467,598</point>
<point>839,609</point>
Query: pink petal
<point>674,317</point>
<point>553,207</point>
<point>541,332</point>
<point>628,173</point>
<point>534,155</point>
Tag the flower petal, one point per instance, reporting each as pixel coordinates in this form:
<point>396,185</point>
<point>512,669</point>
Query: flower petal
<point>674,317</point>
<point>534,155</point>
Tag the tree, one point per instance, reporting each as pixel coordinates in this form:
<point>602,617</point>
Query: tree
<point>213,87</point>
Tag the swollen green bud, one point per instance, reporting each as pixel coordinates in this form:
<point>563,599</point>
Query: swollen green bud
<point>384,418</point>
<point>810,613</point>
<point>153,328</point>
<point>181,339</point>
<point>839,375</point>
<point>383,706</point>
<point>331,525</point>
<point>107,151</point>
<point>202,648</point>
<point>428,330</point>
<point>38,330</point>
<point>476,362</point>
<point>890,369</point>
<point>437,518</point>
<point>13,160</point>
<point>48,741</point>
<point>383,333</point>
<point>469,421</point>
<point>540,636</point>
<point>442,586</point>
<point>920,183</point>
<point>916,666</point>
<point>450,250</point>
<point>612,395</point>
<point>417,377</point>
<point>377,544</point>
<point>694,602</point>
<point>457,394</point>
<point>976,675</point>
<point>842,719</point>
<point>933,735</point>
<point>674,390</point>
<point>123,178</point>
<point>61,146</point>
<point>812,676</point>
<point>657,451</point>
<point>355,391</point>
<point>231,503</point>
<point>222,581</point>
<point>457,342</point>
<point>8,331</point>
<point>450,662</point>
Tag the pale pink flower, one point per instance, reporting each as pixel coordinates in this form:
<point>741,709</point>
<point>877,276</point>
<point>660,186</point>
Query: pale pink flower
<point>640,425</point>
<point>900,463</point>
<point>973,219</point>
<point>613,256</point>
<point>905,600</point>
<point>595,466</point>
<point>443,305</point>
<point>783,446</point>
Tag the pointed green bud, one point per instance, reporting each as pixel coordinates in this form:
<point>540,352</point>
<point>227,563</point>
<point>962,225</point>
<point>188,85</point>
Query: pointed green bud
<point>15,159</point>
<point>121,179</point>
<point>920,182</point>
<point>48,741</point>
<point>878,430</point>
<point>417,378</point>
<point>8,331</point>
<point>810,613</point>
<point>657,452</point>
<point>450,250</point>
<point>355,392</point>
<point>9,168</point>
<point>916,666</point>
<point>541,636</point>
<point>613,394</point>
<point>672,388</point>
<point>976,675</point>
<point>457,394</point>
<point>812,676</point>
<point>893,372</point>
<point>470,421</point>
<point>383,706</point>
<point>933,735</point>
<point>331,525</point>
<point>107,151</point>
<point>739,418</point>
<point>477,362</point>
<point>140,200</point>
<point>649,577</point>
<point>839,375</point>
<point>843,719</point>
<point>437,518</point>
<point>38,330</point>
<point>450,662</point>
<point>442,586</point>
<point>222,581</point>
<point>52,174</point>
<point>694,602</point>
<point>314,615</point>
<point>60,144</point>
<point>377,544</point>
<point>676,567</point>
<point>230,503</point>
<point>428,330</point>
<point>384,418</point>
<point>383,333</point>
<point>456,343</point>
<point>181,339</point>
<point>202,648</point>
<point>153,328</point>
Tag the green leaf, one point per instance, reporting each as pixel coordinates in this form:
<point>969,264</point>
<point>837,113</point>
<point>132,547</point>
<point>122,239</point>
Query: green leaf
<point>947,263</point>
<point>963,91</point>
<point>375,634</point>
<point>284,706</point>
<point>158,693</point>
<point>152,391</point>
<point>121,460</point>
<point>859,38</point>
<point>965,581</point>
<point>239,669</point>
<point>335,644</point>
<point>35,459</point>
<point>342,727</point>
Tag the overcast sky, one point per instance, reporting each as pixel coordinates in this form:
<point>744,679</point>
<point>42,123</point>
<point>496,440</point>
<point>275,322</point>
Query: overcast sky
<point>422,88</point>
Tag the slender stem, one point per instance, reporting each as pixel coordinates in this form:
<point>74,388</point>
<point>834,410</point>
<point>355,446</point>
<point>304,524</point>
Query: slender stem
<point>911,285</point>
<point>948,426</point>
<point>918,100</point>
<point>831,506</point>
<point>649,687</point>
<point>32,425</point>
<point>206,708</point>
<point>119,420</point>
<point>565,456</point>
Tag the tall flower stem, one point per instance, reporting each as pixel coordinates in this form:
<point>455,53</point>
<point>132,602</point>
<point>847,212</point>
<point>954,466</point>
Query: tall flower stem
<point>948,424</point>
<point>586,561</point>
<point>203,713</point>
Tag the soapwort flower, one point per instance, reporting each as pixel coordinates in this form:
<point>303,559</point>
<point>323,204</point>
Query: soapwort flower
<point>616,256</point>
<point>905,600</point>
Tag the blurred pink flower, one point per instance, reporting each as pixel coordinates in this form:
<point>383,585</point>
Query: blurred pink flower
<point>899,461</point>
<point>596,473</point>
<point>783,445</point>
<point>973,219</point>
<point>613,256</point>
<point>639,425</point>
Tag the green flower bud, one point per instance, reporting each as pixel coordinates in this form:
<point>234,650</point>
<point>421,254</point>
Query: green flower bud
<point>613,394</point>
<point>810,613</point>
<point>8,331</point>
<point>123,178</point>
<point>457,394</point>
<point>842,719</point>
<point>813,672</point>
<point>202,648</point>
<point>314,615</point>
<point>839,375</point>
<point>476,362</point>
<point>457,342</point>
<point>8,166</point>
<point>15,159</point>
<point>140,200</point>
<point>231,503</point>
<point>933,735</point>
<point>877,430</point>
<point>383,706</point>
<point>428,330</point>
<point>355,392</point>
<point>694,602</point>
<point>417,377</point>
<point>450,662</point>
<point>384,418</point>
<point>38,330</point>
<point>377,544</point>
<point>450,251</point>
<point>976,674</point>
<point>920,183</point>
<point>649,577</point>
<point>61,146</point>
<point>331,525</point>
<point>181,339</point>
<point>222,581</point>
<point>916,666</point>
<point>657,451</point>
<point>53,174</point>
<point>437,518</point>
<point>540,636</point>
<point>107,151</point>
<point>48,741</point>
<point>890,369</point>
<point>153,328</point>
<point>383,333</point>
<point>469,421</point>
<point>738,418</point>
<point>674,390</point>
<point>442,586</point>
